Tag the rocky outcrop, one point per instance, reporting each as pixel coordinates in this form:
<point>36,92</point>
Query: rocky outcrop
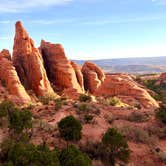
<point>29,64</point>
<point>93,76</point>
<point>78,74</point>
<point>162,79</point>
<point>122,84</point>
<point>10,80</point>
<point>63,74</point>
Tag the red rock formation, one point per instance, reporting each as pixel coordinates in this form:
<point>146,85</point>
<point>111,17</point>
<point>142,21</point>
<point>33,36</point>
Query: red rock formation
<point>10,79</point>
<point>93,76</point>
<point>162,79</point>
<point>29,64</point>
<point>122,84</point>
<point>59,69</point>
<point>78,74</point>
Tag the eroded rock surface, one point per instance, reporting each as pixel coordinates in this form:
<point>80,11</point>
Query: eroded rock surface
<point>122,84</point>
<point>10,80</point>
<point>63,74</point>
<point>93,76</point>
<point>29,64</point>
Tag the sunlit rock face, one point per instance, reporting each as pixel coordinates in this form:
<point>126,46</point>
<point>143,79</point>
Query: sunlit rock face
<point>123,84</point>
<point>29,63</point>
<point>10,80</point>
<point>100,84</point>
<point>61,72</point>
<point>93,76</point>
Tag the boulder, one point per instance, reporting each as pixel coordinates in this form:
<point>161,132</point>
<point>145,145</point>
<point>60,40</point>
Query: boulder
<point>93,76</point>
<point>10,80</point>
<point>61,72</point>
<point>29,63</point>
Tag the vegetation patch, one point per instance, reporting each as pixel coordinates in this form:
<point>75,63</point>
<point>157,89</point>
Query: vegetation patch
<point>70,128</point>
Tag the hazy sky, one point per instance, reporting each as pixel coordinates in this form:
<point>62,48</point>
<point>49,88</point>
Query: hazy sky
<point>90,29</point>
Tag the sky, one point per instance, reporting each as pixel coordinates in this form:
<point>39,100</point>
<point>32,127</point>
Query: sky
<point>89,29</point>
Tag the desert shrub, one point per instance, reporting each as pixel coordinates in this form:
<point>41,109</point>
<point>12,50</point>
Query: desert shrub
<point>5,108</point>
<point>115,146</point>
<point>88,118</point>
<point>162,156</point>
<point>25,154</point>
<point>20,120</point>
<point>58,104</point>
<point>85,98</point>
<point>110,118</point>
<point>82,107</point>
<point>137,134</point>
<point>47,98</point>
<point>95,150</point>
<point>71,156</point>
<point>70,128</point>
<point>113,101</point>
<point>138,117</point>
<point>161,113</point>
<point>158,131</point>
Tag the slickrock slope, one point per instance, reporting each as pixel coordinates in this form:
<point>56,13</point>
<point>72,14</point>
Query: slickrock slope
<point>122,84</point>
<point>29,64</point>
<point>61,72</point>
<point>10,79</point>
<point>93,76</point>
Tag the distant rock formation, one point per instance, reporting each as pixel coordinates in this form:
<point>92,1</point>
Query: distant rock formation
<point>162,79</point>
<point>61,72</point>
<point>93,76</point>
<point>29,64</point>
<point>122,84</point>
<point>10,80</point>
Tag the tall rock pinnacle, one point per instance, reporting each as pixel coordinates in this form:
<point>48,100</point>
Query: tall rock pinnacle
<point>29,63</point>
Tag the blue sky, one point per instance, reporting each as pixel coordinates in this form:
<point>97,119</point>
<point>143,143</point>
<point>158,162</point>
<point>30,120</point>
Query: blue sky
<point>90,29</point>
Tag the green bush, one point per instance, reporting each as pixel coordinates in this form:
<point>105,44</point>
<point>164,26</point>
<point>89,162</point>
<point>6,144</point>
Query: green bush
<point>161,113</point>
<point>137,134</point>
<point>88,118</point>
<point>5,108</point>
<point>83,107</point>
<point>114,101</point>
<point>20,120</point>
<point>58,103</point>
<point>85,98</point>
<point>70,128</point>
<point>47,98</point>
<point>71,156</point>
<point>115,146</point>
<point>25,154</point>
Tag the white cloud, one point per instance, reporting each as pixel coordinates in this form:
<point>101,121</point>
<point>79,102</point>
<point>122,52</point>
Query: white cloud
<point>14,6</point>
